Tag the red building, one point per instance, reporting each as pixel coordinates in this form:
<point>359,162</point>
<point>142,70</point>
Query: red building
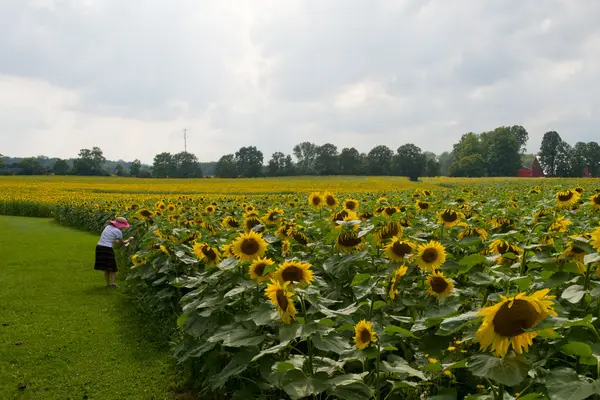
<point>534,172</point>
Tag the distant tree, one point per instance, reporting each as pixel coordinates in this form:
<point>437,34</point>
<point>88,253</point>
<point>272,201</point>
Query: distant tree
<point>164,166</point>
<point>579,158</point>
<point>89,162</point>
<point>226,167</point>
<point>135,168</point>
<point>432,165</point>
<point>549,151</point>
<point>469,166</point>
<point>61,167</point>
<point>503,153</point>
<point>379,160</point>
<point>187,165</point>
<point>280,165</point>
<point>31,166</point>
<point>349,161</point>
<point>593,158</point>
<point>145,173</point>
<point>1,161</point>
<point>468,145</point>
<point>306,157</point>
<point>409,161</point>
<point>527,160</point>
<point>326,162</point>
<point>521,136</point>
<point>363,164</point>
<point>446,159</point>
<point>120,170</point>
<point>563,163</point>
<point>249,162</point>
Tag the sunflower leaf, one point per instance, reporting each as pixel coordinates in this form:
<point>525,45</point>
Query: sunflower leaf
<point>510,370</point>
<point>573,294</point>
<point>456,323</point>
<point>359,278</point>
<point>590,258</point>
<point>565,384</point>
<point>393,330</point>
<point>577,349</point>
<point>399,365</point>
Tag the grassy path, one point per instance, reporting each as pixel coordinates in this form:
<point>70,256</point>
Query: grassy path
<point>63,335</point>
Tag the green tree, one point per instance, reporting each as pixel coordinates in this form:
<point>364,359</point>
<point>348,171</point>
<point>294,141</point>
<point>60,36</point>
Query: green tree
<point>593,158</point>
<point>521,136</point>
<point>306,157</point>
<point>349,161</point>
<point>120,170</point>
<point>579,158</point>
<point>468,145</point>
<point>379,160</point>
<point>503,153</point>
<point>549,151</point>
<point>563,162</point>
<point>280,165</point>
<point>446,159</point>
<point>226,167</point>
<point>409,161</point>
<point>135,168</point>
<point>249,162</point>
<point>326,162</point>
<point>164,166</point>
<point>469,166</point>
<point>31,166</point>
<point>432,165</point>
<point>89,162</point>
<point>61,167</point>
<point>187,165</point>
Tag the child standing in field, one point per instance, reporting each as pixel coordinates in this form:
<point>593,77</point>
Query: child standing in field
<point>105,256</point>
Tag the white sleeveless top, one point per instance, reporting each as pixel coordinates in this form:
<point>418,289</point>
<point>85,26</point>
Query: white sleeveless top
<point>109,235</point>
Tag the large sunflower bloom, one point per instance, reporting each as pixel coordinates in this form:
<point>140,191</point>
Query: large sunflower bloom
<point>330,200</point>
<point>249,246</point>
<point>502,247</point>
<point>348,241</point>
<point>207,254</point>
<point>431,255</point>
<point>230,222</point>
<point>251,222</point>
<point>567,198</point>
<point>422,206</point>
<point>439,285</point>
<point>560,224</point>
<point>388,231</point>
<point>364,334</point>
<point>481,233</point>
<point>273,216</point>
<point>351,204</point>
<point>281,296</point>
<point>294,271</point>
<point>257,269</point>
<point>395,281</point>
<point>398,250</point>
<point>595,201</point>
<point>315,200</point>
<point>449,218</point>
<point>505,323</point>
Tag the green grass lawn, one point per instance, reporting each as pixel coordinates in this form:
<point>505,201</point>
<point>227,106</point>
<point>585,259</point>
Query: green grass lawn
<point>63,334</point>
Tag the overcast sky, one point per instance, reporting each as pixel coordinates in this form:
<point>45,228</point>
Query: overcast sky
<point>130,75</point>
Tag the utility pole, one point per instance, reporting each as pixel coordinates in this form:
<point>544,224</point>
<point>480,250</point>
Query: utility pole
<point>185,140</point>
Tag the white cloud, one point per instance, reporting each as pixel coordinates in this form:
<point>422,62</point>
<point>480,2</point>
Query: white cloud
<point>129,76</point>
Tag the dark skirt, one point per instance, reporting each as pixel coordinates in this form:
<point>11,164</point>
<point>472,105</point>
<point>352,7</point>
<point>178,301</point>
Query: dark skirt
<point>105,259</point>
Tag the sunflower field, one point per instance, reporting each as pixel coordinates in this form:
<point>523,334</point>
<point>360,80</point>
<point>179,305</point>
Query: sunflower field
<point>458,289</point>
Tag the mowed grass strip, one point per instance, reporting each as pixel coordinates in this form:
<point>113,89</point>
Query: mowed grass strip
<point>63,334</point>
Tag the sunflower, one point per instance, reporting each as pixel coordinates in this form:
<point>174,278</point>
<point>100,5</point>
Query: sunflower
<point>502,247</point>
<point>273,216</point>
<point>595,239</point>
<point>315,200</point>
<point>207,254</point>
<point>210,209</point>
<point>567,198</point>
<point>348,241</point>
<point>351,204</point>
<point>431,255</point>
<point>398,250</point>
<point>505,323</point>
<point>230,222</point>
<point>285,229</point>
<point>364,334</point>
<point>449,218</point>
<point>330,200</point>
<point>294,271</point>
<point>395,281</point>
<point>343,215</point>
<point>364,216</point>
<point>560,224</point>
<point>146,214</point>
<point>286,247</point>
<point>422,206</point>
<point>257,269</point>
<point>249,246</point>
<point>439,285</point>
<point>137,260</point>
<point>501,222</point>
<point>164,249</point>
<point>171,207</point>
<point>161,206</point>
<point>388,231</point>
<point>542,213</point>
<point>595,202</point>
<point>481,233</point>
<point>250,223</point>
<point>389,211</point>
<point>300,237</point>
<point>579,189</point>
<point>281,296</point>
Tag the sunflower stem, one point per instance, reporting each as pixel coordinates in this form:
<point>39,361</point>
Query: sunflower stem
<point>308,340</point>
<point>587,277</point>
<point>378,388</point>
<point>501,391</point>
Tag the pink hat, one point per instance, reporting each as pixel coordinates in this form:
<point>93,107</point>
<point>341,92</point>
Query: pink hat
<point>120,223</point>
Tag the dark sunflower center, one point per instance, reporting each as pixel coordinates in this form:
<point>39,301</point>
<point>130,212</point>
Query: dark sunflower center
<point>233,223</point>
<point>210,254</point>
<point>250,246</point>
<point>292,274</point>
<point>390,210</point>
<point>349,239</point>
<point>260,269</point>
<point>389,231</point>
<point>330,200</point>
<point>438,284</point>
<point>365,335</point>
<point>282,300</point>
<point>503,248</point>
<point>300,238</point>
<point>513,321</point>
<point>316,200</point>
<point>579,190</point>
<point>596,199</point>
<point>577,250</point>
<point>423,205</point>
<point>566,196</point>
<point>350,205</point>
<point>430,255</point>
<point>340,215</point>
<point>449,216</point>
<point>401,249</point>
<point>252,222</point>
<point>146,213</point>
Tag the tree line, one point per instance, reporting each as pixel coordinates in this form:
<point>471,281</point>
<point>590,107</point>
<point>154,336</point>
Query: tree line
<point>500,152</point>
